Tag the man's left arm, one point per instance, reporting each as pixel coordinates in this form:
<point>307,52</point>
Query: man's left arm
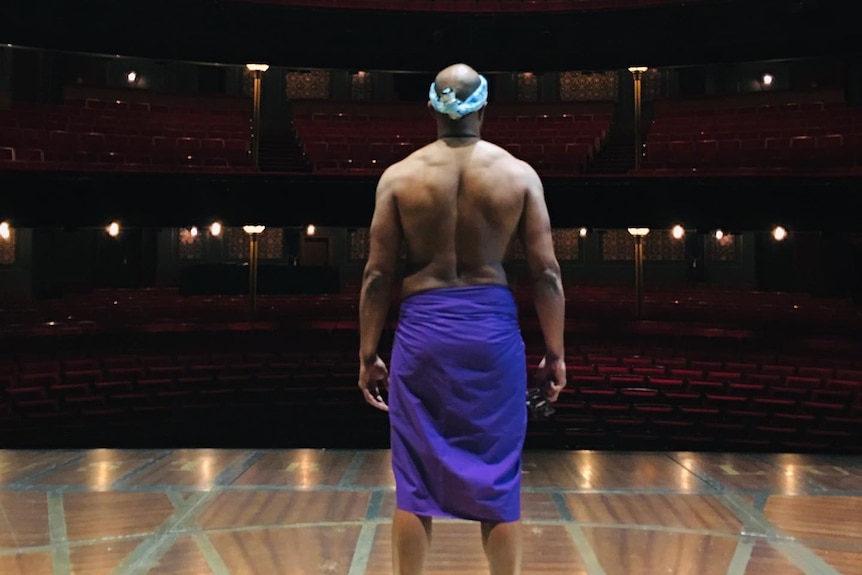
<point>385,246</point>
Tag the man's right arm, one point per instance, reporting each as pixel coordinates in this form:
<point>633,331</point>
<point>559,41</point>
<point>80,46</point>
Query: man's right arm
<point>535,232</point>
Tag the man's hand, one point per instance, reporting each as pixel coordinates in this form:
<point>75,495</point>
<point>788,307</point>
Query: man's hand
<point>371,377</point>
<point>552,375</point>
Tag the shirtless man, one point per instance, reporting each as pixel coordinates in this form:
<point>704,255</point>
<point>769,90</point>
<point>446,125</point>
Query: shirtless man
<point>457,386</point>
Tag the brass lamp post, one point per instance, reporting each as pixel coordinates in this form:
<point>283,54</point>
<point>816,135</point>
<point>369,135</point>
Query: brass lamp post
<point>257,71</point>
<point>253,233</point>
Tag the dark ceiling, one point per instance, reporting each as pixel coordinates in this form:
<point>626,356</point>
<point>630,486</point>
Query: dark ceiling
<point>228,31</point>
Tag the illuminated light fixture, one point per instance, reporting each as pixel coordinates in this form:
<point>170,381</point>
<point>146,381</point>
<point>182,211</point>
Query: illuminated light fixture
<point>638,232</point>
<point>5,230</point>
<point>677,232</point>
<point>257,67</point>
<point>193,231</point>
<point>132,77</point>
<point>311,230</point>
<point>583,232</point>
<point>638,69</point>
<point>253,230</point>
<point>767,79</point>
<point>779,234</point>
<point>113,229</point>
<point>215,229</point>
<point>719,234</point>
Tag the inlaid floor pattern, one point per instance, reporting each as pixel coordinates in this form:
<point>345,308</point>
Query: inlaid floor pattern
<point>301,512</point>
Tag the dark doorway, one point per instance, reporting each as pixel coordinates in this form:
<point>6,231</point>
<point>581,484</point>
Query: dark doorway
<point>315,252</point>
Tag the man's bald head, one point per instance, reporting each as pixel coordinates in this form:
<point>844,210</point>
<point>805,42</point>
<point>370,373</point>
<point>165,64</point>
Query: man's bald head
<point>461,78</point>
<point>459,92</point>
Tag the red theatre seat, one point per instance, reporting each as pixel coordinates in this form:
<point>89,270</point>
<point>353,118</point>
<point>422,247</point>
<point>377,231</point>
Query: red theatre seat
<point>740,133</point>
<point>368,137</point>
<point>474,6</point>
<point>104,132</point>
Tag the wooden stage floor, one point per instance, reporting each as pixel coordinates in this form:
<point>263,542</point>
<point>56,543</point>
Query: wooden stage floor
<point>309,512</point>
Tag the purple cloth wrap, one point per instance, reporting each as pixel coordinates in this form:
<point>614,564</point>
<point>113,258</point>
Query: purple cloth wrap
<point>457,404</point>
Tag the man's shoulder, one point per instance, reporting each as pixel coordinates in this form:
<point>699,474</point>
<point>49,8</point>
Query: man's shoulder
<point>405,168</point>
<point>399,170</point>
<point>503,160</point>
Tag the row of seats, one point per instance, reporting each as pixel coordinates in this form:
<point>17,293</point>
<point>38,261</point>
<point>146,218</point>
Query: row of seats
<point>69,141</point>
<point>724,131</point>
<point>550,159</point>
<point>598,406</point>
<point>353,143</point>
<point>744,172</point>
<point>802,152</point>
<point>743,400</point>
<point>133,136</point>
<point>37,159</point>
<point>62,146</point>
<point>673,307</point>
<point>663,131</point>
<point>593,132</point>
<point>477,5</point>
<point>537,119</point>
<point>98,104</point>
<point>696,428</point>
<point>202,122</point>
<point>714,363</point>
<point>678,373</point>
<point>729,108</point>
<point>803,136</point>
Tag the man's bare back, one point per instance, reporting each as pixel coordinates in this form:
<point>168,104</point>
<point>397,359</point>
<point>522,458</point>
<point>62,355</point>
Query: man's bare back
<point>455,206</point>
<point>459,202</point>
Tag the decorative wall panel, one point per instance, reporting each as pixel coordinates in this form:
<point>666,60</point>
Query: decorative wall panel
<point>617,246</point>
<point>189,246</point>
<point>566,246</point>
<point>359,244</point>
<point>723,250</point>
<point>247,83</point>
<point>567,243</point>
<point>528,87</point>
<point>651,84</point>
<point>236,243</point>
<point>7,249</point>
<point>270,245</point>
<point>361,86</point>
<point>588,86</point>
<point>313,85</point>
<point>660,246</point>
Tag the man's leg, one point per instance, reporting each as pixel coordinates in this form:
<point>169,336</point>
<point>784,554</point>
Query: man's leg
<point>503,547</point>
<point>411,538</point>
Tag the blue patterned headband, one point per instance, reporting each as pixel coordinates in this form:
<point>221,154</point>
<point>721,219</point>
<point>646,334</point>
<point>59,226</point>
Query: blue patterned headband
<point>447,103</point>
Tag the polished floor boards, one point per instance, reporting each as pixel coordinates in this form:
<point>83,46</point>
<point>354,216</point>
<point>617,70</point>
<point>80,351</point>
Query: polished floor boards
<point>309,512</point>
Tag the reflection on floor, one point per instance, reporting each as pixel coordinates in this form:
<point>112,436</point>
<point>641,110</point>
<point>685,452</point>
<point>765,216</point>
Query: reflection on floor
<point>238,512</point>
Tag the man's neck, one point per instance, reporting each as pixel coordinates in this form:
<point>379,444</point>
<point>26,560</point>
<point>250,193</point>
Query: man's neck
<point>459,135</point>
